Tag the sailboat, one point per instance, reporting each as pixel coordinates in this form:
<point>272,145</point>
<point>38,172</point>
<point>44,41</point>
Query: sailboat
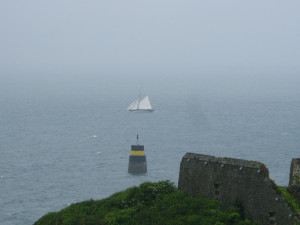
<point>140,105</point>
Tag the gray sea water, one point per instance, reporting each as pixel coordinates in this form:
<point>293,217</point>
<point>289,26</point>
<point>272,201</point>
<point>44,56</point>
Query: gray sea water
<point>67,139</point>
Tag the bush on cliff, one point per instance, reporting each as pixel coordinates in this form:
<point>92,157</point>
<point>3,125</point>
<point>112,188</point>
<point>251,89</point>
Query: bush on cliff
<point>150,203</point>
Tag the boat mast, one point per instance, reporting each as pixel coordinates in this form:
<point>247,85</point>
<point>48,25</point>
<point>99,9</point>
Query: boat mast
<point>139,98</point>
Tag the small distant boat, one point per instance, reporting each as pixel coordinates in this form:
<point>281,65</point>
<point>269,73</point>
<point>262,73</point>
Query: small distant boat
<point>140,105</point>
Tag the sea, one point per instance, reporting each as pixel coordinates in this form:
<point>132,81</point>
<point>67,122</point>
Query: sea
<point>67,138</point>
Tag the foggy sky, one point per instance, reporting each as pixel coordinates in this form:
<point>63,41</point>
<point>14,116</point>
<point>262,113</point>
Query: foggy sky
<point>161,34</point>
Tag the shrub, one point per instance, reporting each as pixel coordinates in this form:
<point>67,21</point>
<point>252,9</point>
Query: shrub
<point>150,203</point>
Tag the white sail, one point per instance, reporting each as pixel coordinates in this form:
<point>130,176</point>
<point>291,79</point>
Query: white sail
<point>145,104</point>
<point>133,105</point>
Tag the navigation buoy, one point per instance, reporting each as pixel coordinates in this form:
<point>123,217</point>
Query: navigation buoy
<point>137,158</point>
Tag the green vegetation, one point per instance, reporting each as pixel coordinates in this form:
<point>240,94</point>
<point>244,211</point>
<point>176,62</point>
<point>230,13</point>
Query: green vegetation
<point>297,179</point>
<point>150,203</point>
<point>289,198</point>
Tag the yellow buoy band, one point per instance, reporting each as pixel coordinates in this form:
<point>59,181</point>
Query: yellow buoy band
<point>137,153</point>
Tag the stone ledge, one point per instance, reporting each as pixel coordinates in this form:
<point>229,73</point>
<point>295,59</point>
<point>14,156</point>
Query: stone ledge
<point>229,161</point>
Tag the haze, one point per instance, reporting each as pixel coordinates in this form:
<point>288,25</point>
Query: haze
<point>128,36</point>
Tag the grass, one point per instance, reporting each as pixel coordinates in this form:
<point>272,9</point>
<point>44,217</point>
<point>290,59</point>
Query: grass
<point>289,198</point>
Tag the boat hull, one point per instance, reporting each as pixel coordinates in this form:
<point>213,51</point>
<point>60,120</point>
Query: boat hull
<point>141,110</point>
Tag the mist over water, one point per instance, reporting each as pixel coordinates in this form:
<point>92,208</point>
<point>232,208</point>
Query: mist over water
<point>67,139</point>
<point>222,77</point>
